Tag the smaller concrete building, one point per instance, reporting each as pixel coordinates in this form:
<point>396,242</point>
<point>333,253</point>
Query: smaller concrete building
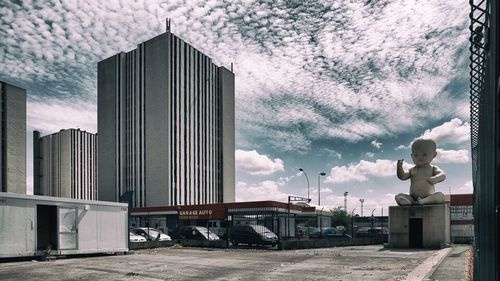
<point>419,226</point>
<point>65,164</point>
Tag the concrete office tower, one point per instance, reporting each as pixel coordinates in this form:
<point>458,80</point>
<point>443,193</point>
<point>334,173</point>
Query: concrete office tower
<point>12,139</point>
<point>165,119</point>
<point>65,164</point>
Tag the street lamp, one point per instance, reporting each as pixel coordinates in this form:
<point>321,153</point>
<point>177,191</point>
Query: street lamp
<point>352,221</point>
<point>319,188</point>
<point>345,201</point>
<point>290,200</point>
<point>373,217</point>
<point>307,178</point>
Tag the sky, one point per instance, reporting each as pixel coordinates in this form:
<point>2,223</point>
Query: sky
<point>340,87</point>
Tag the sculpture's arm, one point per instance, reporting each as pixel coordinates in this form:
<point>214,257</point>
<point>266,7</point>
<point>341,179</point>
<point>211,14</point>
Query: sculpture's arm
<point>402,174</point>
<point>438,175</point>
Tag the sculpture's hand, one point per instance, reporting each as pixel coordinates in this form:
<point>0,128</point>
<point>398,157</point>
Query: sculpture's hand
<point>431,180</point>
<point>400,163</point>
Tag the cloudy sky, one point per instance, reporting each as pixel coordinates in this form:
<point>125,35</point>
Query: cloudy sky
<point>340,87</point>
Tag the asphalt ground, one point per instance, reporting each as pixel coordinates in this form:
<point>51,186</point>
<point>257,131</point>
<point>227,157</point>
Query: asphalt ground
<point>454,265</point>
<point>174,263</point>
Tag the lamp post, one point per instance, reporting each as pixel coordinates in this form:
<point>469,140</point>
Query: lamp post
<point>307,178</point>
<point>362,201</point>
<point>352,221</point>
<point>345,201</point>
<point>290,200</point>
<point>319,188</point>
<point>373,217</point>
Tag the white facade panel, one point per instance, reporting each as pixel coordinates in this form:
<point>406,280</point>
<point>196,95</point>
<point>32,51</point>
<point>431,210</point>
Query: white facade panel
<point>17,234</point>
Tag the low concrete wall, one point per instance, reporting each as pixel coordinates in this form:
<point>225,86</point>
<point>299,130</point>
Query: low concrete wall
<point>290,244</point>
<point>151,244</point>
<point>294,244</point>
<point>204,243</point>
<point>184,243</point>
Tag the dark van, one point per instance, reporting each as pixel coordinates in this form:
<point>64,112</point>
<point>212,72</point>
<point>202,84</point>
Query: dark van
<point>252,234</point>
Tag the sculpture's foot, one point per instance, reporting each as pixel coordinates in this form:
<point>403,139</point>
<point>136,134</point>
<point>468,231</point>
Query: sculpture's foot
<point>435,198</point>
<point>404,199</point>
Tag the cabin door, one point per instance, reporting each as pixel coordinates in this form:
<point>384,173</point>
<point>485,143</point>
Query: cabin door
<point>68,228</point>
<point>46,228</point>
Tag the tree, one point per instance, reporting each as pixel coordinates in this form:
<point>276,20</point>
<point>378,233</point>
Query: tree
<point>340,217</point>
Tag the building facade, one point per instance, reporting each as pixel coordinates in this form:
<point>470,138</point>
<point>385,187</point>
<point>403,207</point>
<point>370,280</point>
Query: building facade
<point>166,126</point>
<point>12,139</point>
<point>65,164</point>
<point>462,218</point>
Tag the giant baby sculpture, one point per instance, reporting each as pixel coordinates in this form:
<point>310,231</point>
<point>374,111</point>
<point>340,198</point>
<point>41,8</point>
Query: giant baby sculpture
<point>423,176</point>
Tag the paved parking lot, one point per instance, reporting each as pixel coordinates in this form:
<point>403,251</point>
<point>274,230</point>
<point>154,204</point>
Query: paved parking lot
<point>342,263</point>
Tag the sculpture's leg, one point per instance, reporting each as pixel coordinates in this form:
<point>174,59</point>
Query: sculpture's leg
<point>404,199</point>
<point>435,198</point>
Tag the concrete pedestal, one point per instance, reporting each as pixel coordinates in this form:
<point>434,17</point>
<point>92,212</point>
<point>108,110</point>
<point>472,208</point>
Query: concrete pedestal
<point>418,226</point>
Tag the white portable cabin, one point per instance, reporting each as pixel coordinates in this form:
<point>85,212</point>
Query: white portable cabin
<point>32,225</point>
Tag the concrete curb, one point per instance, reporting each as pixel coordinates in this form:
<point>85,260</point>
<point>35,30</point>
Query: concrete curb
<point>425,269</point>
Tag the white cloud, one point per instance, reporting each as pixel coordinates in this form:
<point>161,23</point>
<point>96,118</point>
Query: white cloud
<point>402,147</point>
<point>463,110</point>
<point>362,170</point>
<point>373,201</point>
<point>50,116</point>
<point>466,188</point>
<point>453,132</point>
<point>266,190</point>
<point>334,153</point>
<point>452,156</point>
<point>370,154</point>
<point>376,144</point>
<point>301,75</point>
<point>254,163</point>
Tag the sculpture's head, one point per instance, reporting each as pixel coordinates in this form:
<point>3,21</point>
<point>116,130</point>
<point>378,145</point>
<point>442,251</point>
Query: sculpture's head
<point>423,151</point>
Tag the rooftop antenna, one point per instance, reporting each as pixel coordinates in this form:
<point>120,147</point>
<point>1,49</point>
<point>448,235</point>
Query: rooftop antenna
<point>231,66</point>
<point>168,24</point>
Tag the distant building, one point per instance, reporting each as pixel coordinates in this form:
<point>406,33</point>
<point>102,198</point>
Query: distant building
<point>12,139</point>
<point>65,164</point>
<point>461,218</point>
<point>166,126</point>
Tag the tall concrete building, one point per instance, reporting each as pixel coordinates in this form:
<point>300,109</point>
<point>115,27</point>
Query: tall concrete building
<point>12,139</point>
<point>65,164</point>
<point>166,125</point>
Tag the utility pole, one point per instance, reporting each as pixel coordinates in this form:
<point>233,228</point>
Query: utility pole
<point>307,178</point>
<point>319,188</point>
<point>361,200</point>
<point>345,201</point>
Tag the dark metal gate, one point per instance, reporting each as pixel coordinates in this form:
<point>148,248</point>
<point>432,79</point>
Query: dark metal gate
<point>254,227</point>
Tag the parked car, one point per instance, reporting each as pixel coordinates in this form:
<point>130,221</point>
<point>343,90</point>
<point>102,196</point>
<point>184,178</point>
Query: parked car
<point>197,233</point>
<point>136,238</point>
<point>306,231</point>
<point>334,233</point>
<point>252,234</point>
<point>328,232</point>
<point>371,232</point>
<point>313,232</point>
<point>151,234</point>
